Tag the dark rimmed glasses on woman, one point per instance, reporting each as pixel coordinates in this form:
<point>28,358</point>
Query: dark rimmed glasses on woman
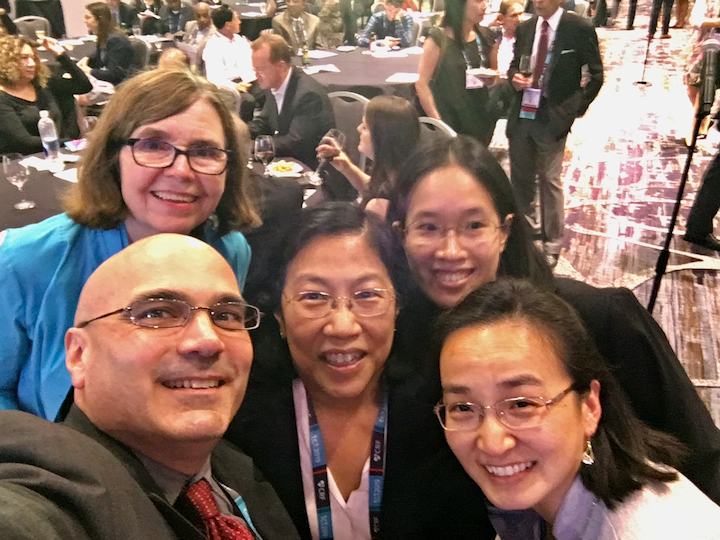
<point>158,154</point>
<point>363,303</point>
<point>514,413</point>
<point>170,313</point>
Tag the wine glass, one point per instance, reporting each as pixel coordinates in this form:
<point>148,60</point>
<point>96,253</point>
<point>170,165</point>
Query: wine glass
<point>17,174</point>
<point>40,35</point>
<point>264,150</point>
<point>314,178</point>
<point>88,123</point>
<point>525,66</point>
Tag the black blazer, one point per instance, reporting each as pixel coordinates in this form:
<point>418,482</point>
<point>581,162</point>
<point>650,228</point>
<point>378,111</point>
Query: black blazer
<point>564,99</point>
<point>57,484</point>
<point>128,16</point>
<point>230,466</point>
<point>420,495</point>
<point>114,64</point>
<point>305,117</point>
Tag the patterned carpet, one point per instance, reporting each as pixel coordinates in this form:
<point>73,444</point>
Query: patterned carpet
<point>622,169</point>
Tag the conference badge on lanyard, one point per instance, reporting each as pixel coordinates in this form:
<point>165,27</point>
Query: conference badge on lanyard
<point>531,96</point>
<point>472,81</point>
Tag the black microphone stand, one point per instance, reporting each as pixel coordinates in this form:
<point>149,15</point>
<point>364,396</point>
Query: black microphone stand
<point>642,81</point>
<point>661,265</point>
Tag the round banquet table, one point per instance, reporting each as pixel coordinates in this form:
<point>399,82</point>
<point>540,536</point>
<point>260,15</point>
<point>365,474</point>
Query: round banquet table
<point>253,19</point>
<point>367,75</point>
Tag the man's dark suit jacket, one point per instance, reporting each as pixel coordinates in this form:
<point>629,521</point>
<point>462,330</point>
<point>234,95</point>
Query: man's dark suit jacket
<point>229,466</point>
<point>564,98</point>
<point>57,484</point>
<point>128,16</point>
<point>306,116</point>
<point>187,14</point>
<point>420,492</point>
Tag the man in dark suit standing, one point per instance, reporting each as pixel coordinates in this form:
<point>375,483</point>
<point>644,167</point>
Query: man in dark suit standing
<point>550,96</point>
<point>159,363</point>
<point>297,111</point>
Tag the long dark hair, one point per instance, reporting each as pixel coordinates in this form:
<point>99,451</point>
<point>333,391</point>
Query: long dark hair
<point>627,452</point>
<point>521,258</point>
<point>106,23</point>
<point>394,131</point>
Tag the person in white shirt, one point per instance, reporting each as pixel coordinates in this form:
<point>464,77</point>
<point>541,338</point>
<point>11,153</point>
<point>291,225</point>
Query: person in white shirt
<point>509,18</point>
<point>228,59</point>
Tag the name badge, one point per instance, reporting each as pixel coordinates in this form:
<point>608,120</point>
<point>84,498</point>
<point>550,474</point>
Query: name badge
<point>530,103</point>
<point>471,81</point>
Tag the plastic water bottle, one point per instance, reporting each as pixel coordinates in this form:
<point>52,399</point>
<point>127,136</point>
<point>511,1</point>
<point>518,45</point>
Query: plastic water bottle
<point>50,142</point>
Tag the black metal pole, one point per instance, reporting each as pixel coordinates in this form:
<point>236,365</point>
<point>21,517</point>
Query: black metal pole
<point>642,81</point>
<point>662,261</point>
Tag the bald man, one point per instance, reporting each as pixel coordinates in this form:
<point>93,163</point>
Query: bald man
<point>199,30</point>
<point>159,358</point>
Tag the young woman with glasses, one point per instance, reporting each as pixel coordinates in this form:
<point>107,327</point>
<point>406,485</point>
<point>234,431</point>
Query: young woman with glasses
<point>538,421</point>
<point>328,418</point>
<point>454,212</point>
<point>152,165</point>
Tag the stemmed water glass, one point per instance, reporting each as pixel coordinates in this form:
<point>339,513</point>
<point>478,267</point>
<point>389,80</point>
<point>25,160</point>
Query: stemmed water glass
<point>17,174</point>
<point>338,137</point>
<point>264,150</point>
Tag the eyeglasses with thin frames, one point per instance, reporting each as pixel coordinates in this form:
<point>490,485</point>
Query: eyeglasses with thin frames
<point>426,233</point>
<point>158,154</point>
<point>514,413</point>
<point>363,303</point>
<point>170,313</point>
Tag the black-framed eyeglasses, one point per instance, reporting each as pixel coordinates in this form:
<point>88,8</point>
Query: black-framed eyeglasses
<point>159,154</point>
<point>170,313</point>
<point>363,303</point>
<point>514,413</point>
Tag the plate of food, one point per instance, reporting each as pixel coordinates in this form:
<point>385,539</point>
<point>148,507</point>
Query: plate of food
<point>483,73</point>
<point>285,169</point>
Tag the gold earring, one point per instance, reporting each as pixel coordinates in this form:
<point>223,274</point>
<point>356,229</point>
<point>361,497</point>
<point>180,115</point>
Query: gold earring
<point>588,457</point>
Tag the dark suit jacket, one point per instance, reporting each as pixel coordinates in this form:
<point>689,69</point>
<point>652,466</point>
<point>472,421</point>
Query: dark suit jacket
<point>187,14</point>
<point>306,116</point>
<point>113,66</point>
<point>57,484</point>
<point>564,99</point>
<point>128,16</point>
<point>229,466</point>
<point>419,499</point>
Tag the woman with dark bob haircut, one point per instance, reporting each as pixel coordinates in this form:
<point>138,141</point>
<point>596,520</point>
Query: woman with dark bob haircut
<point>324,390</point>
<point>152,165</point>
<point>577,457</point>
<point>454,212</point>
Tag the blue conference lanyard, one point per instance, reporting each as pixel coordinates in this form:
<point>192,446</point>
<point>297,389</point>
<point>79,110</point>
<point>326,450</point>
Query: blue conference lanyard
<point>478,41</point>
<point>376,475</point>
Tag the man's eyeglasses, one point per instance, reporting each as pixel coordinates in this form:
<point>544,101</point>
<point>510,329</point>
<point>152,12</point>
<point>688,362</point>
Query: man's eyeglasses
<point>514,413</point>
<point>425,233</point>
<point>158,154</point>
<point>167,313</point>
<point>364,303</point>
